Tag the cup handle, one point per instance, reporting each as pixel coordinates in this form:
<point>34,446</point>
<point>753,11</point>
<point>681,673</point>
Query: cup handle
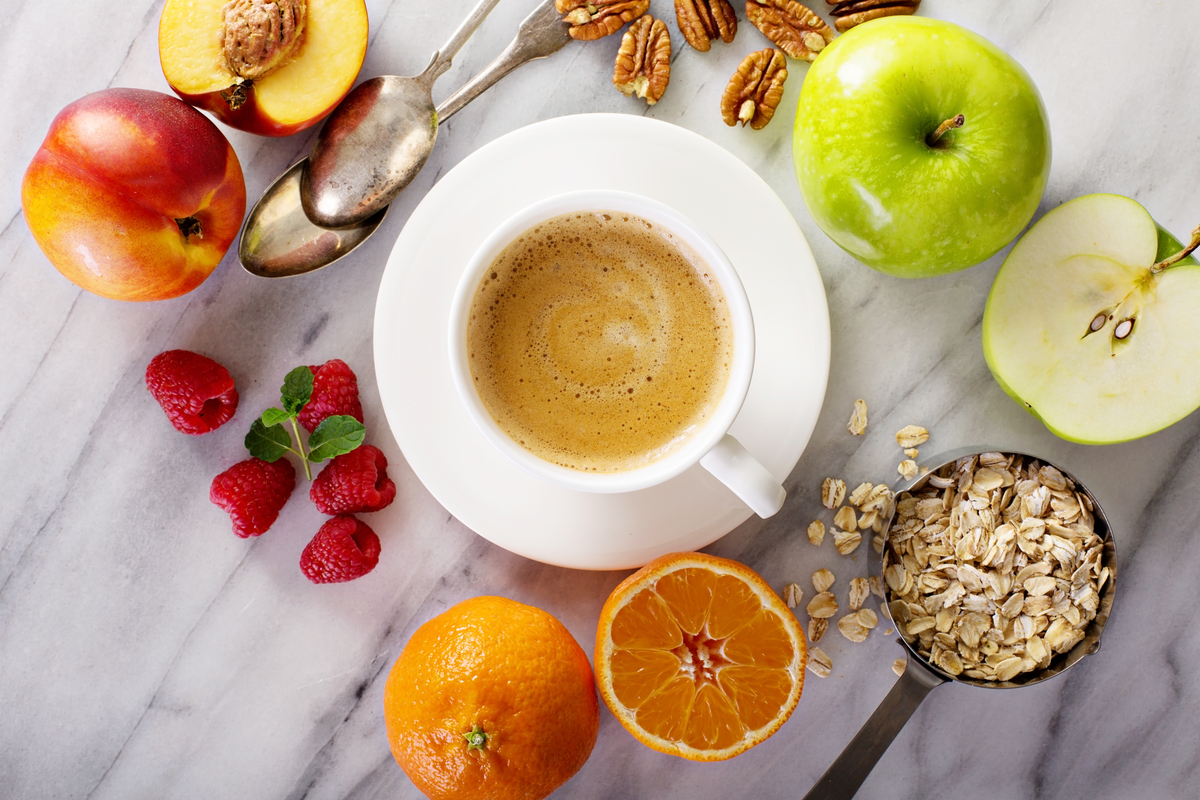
<point>733,466</point>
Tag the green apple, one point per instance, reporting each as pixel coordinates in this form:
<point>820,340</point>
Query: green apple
<point>877,176</point>
<point>1092,325</point>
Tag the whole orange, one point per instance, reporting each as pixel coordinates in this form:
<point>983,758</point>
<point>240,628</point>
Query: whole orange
<point>491,700</point>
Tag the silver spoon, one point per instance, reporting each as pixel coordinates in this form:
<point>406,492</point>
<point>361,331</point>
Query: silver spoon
<point>377,139</point>
<point>279,240</point>
<point>843,779</point>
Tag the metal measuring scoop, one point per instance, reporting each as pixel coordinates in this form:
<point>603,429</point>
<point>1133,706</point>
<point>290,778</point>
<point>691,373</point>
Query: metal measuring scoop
<point>843,779</point>
<point>279,240</point>
<point>376,141</point>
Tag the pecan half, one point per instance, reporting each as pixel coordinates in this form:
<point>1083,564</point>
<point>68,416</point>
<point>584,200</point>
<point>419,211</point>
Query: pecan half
<point>794,28</point>
<point>644,60</point>
<point>755,89</point>
<point>595,19</point>
<point>701,21</point>
<point>850,13</point>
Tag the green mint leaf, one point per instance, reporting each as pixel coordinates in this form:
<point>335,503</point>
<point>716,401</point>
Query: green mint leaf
<point>269,444</point>
<point>296,390</point>
<point>334,436</point>
<point>274,416</point>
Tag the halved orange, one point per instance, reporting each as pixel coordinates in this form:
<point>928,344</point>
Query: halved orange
<point>698,657</point>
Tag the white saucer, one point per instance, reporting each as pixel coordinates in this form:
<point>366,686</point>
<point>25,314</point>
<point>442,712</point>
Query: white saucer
<point>489,493</point>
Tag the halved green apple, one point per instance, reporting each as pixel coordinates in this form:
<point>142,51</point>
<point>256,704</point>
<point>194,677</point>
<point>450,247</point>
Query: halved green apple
<point>1093,325</point>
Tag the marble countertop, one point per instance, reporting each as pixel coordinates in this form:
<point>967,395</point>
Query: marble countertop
<point>147,652</point>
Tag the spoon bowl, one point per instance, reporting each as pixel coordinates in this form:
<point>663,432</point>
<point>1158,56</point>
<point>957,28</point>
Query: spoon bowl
<point>371,147</point>
<point>377,139</point>
<point>279,241</point>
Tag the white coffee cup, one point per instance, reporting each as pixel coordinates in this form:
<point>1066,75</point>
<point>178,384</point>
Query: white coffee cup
<point>711,446</point>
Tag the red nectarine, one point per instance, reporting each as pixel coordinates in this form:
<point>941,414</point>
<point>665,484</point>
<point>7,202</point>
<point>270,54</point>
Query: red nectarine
<point>271,67</point>
<point>134,195</point>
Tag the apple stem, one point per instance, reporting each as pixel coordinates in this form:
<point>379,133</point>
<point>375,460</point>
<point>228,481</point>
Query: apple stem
<point>1180,256</point>
<point>953,122</point>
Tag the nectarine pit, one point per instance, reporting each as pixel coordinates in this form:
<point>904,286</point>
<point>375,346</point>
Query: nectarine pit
<point>259,36</point>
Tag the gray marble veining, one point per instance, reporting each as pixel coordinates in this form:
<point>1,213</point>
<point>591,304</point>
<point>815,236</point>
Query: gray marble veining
<point>147,652</point>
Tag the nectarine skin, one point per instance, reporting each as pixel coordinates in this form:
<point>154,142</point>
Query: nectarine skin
<point>248,116</point>
<point>120,175</point>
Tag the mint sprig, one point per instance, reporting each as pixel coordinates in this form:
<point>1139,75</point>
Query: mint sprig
<point>269,440</point>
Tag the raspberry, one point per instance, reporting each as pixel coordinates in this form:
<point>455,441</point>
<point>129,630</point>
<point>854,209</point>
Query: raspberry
<point>196,392</point>
<point>344,549</point>
<point>253,492</point>
<point>335,391</point>
<point>354,482</point>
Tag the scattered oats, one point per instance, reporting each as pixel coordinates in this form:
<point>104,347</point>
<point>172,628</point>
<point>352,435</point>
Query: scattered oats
<point>907,469</point>
<point>879,499</point>
<point>859,495</point>
<point>845,519</point>
<point>898,667</point>
<point>816,629</point>
<point>859,591</point>
<point>819,663</point>
<point>868,618</point>
<point>992,566</point>
<point>793,595</point>
<point>876,584</point>
<point>852,628</point>
<point>858,420</point>
<point>816,532</point>
<point>846,542</point>
<point>911,452</point>
<point>823,606</point>
<point>868,520</point>
<point>822,579</point>
<point>877,542</point>
<point>911,436</point>
<point>889,631</point>
<point>833,491</point>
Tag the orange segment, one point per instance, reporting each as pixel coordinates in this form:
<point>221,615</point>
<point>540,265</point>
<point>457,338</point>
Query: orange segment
<point>764,642</point>
<point>643,672</point>
<point>645,623</point>
<point>688,593</point>
<point>698,657</point>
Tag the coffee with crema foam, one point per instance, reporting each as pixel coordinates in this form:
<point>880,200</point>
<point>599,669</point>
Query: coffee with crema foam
<point>599,341</point>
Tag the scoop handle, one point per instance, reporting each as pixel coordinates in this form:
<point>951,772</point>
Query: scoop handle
<point>843,779</point>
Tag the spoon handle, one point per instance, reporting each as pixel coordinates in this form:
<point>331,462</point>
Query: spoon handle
<point>444,56</point>
<point>844,777</point>
<point>543,32</point>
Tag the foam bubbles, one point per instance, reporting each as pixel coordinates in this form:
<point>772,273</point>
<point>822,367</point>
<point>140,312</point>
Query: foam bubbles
<point>599,342</point>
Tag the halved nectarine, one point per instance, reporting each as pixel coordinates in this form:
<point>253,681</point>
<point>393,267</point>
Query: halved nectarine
<point>271,67</point>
